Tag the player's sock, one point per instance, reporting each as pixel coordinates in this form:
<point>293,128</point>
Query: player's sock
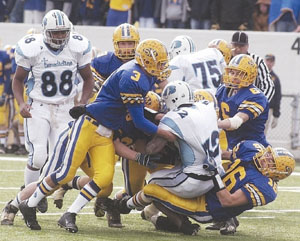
<point>41,191</point>
<point>17,200</point>
<point>138,201</point>
<point>87,193</point>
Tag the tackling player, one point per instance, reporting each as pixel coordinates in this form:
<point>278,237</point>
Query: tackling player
<point>250,181</point>
<point>122,93</point>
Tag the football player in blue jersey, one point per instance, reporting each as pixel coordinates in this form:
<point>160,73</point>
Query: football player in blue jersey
<point>5,59</point>
<point>250,181</point>
<point>121,95</point>
<point>125,39</point>
<point>243,107</point>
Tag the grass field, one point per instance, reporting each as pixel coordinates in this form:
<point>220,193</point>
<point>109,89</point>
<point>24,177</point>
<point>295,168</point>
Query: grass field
<point>279,220</point>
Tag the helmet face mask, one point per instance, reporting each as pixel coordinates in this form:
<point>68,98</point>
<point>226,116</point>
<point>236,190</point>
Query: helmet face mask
<point>125,38</point>
<point>275,163</point>
<point>152,56</point>
<point>182,44</point>
<point>241,72</point>
<point>56,29</point>
<point>175,94</point>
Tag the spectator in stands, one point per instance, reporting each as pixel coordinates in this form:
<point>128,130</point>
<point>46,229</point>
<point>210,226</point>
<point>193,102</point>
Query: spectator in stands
<point>174,13</point>
<point>231,14</point>
<point>261,15</point>
<point>118,12</point>
<point>16,11</point>
<point>34,11</point>
<point>144,13</point>
<point>65,6</point>
<point>200,14</point>
<point>274,111</point>
<point>284,16</point>
<point>93,12</point>
<point>263,81</point>
<point>3,11</point>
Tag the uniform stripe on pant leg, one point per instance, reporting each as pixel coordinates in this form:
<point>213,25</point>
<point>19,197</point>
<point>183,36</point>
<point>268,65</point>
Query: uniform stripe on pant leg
<point>68,155</point>
<point>29,144</point>
<point>125,169</point>
<point>59,150</point>
<point>174,181</point>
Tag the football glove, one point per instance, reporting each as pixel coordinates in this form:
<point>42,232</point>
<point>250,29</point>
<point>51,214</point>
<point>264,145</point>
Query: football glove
<point>77,111</point>
<point>147,160</point>
<point>150,114</point>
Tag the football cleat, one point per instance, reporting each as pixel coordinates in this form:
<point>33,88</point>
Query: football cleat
<point>215,225</point>
<point>68,221</point>
<point>43,205</point>
<point>29,215</point>
<point>114,219</point>
<point>230,226</point>
<point>100,206</point>
<point>189,228</point>
<point>59,194</point>
<point>8,214</point>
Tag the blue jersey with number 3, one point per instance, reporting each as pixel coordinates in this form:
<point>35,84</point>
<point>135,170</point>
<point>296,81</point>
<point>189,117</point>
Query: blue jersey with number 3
<point>125,89</point>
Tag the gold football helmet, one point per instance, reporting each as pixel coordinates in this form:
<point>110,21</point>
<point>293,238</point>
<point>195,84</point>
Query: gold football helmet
<point>125,33</point>
<point>223,47</point>
<point>202,94</point>
<point>276,163</point>
<point>241,72</point>
<point>152,55</point>
<point>153,101</point>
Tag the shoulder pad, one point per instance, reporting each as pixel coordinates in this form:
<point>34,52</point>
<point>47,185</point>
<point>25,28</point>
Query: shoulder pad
<point>79,44</point>
<point>30,45</point>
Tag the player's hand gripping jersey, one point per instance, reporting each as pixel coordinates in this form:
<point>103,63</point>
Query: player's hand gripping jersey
<point>52,73</point>
<point>201,70</point>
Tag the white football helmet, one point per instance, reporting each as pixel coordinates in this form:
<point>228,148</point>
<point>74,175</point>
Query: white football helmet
<point>55,22</point>
<point>177,93</point>
<point>182,44</point>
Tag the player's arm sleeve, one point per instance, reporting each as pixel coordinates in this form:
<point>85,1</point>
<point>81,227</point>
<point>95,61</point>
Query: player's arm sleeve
<point>85,56</point>
<point>21,59</point>
<point>260,194</point>
<point>253,106</point>
<point>140,122</point>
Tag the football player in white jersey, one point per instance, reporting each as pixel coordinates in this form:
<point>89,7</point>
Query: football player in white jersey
<point>194,126</point>
<point>181,45</point>
<point>50,61</point>
<point>202,69</point>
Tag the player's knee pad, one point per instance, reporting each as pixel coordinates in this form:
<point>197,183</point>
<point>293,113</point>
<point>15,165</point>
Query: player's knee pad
<point>39,157</point>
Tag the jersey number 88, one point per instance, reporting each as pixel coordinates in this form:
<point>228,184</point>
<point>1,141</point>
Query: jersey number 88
<point>49,86</point>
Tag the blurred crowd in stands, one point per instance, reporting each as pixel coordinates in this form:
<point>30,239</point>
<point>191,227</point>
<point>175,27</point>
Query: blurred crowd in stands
<point>257,15</point>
